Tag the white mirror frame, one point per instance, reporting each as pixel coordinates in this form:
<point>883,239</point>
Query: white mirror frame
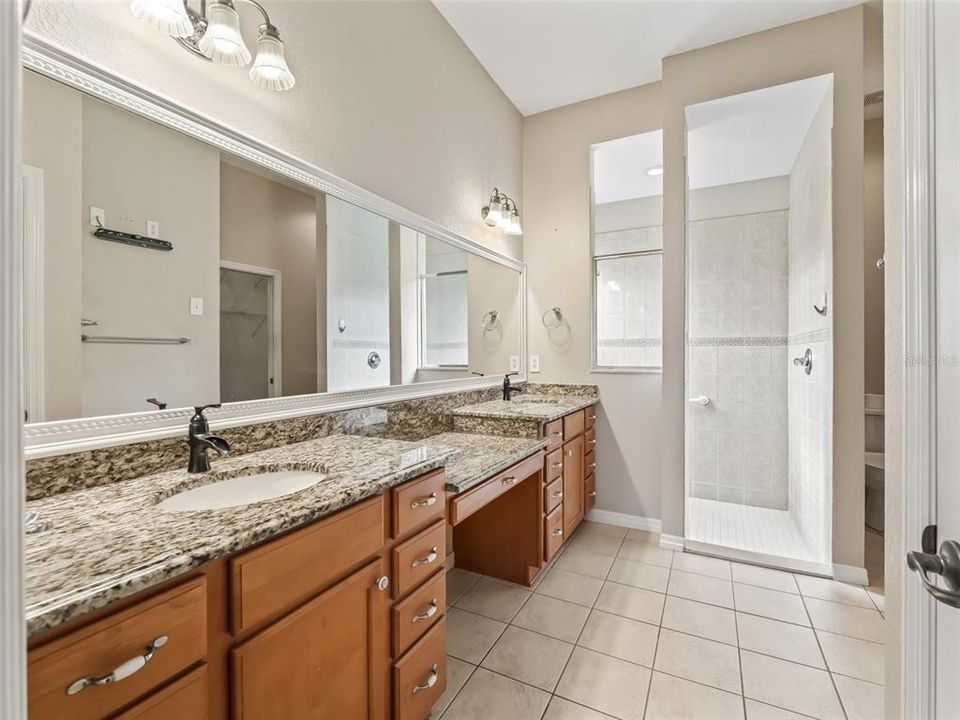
<point>66,436</point>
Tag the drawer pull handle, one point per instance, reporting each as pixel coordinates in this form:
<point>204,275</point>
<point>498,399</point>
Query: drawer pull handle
<point>558,532</point>
<point>570,453</point>
<point>509,481</point>
<point>431,558</point>
<point>431,499</point>
<point>122,671</point>
<point>431,681</point>
<point>383,582</point>
<point>557,466</point>
<point>428,613</point>
<point>558,494</point>
<point>592,442</point>
<point>591,465</point>
<point>592,493</point>
<point>558,433</point>
<point>592,417</point>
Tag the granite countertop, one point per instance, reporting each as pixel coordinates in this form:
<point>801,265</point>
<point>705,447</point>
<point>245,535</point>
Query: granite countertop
<point>110,542</point>
<point>481,456</point>
<point>532,406</point>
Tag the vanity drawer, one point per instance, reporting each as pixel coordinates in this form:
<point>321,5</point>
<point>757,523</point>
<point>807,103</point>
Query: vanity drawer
<point>572,425</point>
<point>590,436</point>
<point>553,432</point>
<point>464,505</point>
<point>418,503</point>
<point>179,615</point>
<point>418,613</point>
<point>590,416</point>
<point>554,465</point>
<point>552,495</point>
<point>589,462</point>
<point>420,677</point>
<point>418,558</point>
<point>283,573</point>
<point>185,699</point>
<point>589,492</point>
<point>553,532</point>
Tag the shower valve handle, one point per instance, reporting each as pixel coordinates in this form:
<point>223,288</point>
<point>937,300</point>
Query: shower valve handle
<point>702,400</point>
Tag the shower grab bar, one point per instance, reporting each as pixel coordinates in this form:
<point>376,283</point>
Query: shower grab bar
<point>123,340</point>
<point>702,400</point>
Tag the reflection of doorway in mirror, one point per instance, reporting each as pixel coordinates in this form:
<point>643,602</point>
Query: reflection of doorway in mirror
<point>33,355</point>
<point>250,362</point>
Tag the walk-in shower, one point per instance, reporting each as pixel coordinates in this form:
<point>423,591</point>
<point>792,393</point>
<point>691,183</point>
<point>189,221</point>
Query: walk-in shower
<point>759,352</point>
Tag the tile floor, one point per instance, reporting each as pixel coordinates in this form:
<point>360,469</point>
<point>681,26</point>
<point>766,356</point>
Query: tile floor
<point>620,628</point>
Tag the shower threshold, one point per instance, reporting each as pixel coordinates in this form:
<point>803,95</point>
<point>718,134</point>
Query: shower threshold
<point>744,533</point>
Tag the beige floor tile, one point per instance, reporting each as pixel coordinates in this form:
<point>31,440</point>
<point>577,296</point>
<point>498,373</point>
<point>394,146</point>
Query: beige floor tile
<point>695,618</point>
<point>645,553</point>
<point>631,602</point>
<point>458,582</point>
<point>458,672</point>
<point>590,526</point>
<point>585,562</point>
<point>764,577</point>
<point>573,587</point>
<point>528,657</point>
<point>612,686</point>
<point>488,695</point>
<point>761,711</point>
<point>702,565</point>
<point>846,619</point>
<point>621,637</point>
<point>470,636</point>
<point>596,542</point>
<point>560,709</point>
<point>838,592</point>
<point>645,536</point>
<point>861,700</point>
<point>788,685</point>
<point>703,661</point>
<point>672,698</point>
<point>849,656</point>
<point>783,640</point>
<point>770,604</point>
<point>494,600</point>
<point>549,616</point>
<point>638,574</point>
<point>701,588</point>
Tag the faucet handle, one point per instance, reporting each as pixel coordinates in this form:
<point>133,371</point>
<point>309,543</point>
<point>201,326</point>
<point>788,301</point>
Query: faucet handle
<point>198,409</point>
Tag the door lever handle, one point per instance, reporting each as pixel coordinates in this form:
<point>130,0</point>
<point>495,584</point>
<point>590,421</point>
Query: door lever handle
<point>946,564</point>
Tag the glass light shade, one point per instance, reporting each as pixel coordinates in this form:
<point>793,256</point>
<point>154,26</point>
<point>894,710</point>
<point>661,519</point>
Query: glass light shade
<point>222,41</point>
<point>270,68</point>
<point>504,224</point>
<point>169,16</point>
<point>494,214</point>
<point>514,228</point>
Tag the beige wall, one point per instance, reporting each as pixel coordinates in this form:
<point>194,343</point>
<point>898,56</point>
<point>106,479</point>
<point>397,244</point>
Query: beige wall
<point>831,43</point>
<point>556,246</point>
<point>272,225</point>
<point>52,127</point>
<point>387,97</point>
<point>872,250</point>
<point>492,287</point>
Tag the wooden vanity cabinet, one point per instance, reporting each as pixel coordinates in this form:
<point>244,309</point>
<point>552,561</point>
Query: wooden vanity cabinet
<point>572,485</point>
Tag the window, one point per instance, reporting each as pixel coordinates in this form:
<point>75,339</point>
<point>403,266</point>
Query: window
<point>443,304</point>
<point>627,252</point>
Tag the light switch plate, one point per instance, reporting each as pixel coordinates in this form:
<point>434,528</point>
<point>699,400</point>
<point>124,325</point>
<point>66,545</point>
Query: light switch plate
<point>534,363</point>
<point>514,363</point>
<point>196,306</point>
<point>153,229</point>
<point>95,213</point>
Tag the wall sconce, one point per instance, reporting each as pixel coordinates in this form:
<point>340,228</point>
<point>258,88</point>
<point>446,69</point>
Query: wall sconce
<point>214,34</point>
<point>502,213</point>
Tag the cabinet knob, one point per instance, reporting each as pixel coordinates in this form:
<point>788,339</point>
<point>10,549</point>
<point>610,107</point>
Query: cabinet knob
<point>383,582</point>
<point>431,499</point>
<point>509,480</point>
<point>431,681</point>
<point>558,494</point>
<point>592,442</point>
<point>556,466</point>
<point>558,433</point>
<point>122,671</point>
<point>591,465</point>
<point>558,532</point>
<point>428,613</point>
<point>592,493</point>
<point>430,558</point>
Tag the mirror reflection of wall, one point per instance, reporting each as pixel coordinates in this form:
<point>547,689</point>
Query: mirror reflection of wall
<point>271,289</point>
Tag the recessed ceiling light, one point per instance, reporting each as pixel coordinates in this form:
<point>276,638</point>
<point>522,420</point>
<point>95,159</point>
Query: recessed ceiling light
<point>655,170</point>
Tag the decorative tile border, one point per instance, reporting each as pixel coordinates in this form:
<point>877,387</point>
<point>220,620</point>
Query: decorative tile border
<point>741,341</point>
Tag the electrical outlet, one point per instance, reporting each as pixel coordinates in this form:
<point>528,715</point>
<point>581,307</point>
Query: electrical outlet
<point>534,363</point>
<point>196,306</point>
<point>98,216</point>
<point>514,363</point>
<point>153,229</point>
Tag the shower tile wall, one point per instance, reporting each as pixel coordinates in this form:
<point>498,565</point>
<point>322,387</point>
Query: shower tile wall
<point>738,358</point>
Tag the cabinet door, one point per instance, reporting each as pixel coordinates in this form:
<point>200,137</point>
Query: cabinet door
<point>328,659</point>
<point>572,485</point>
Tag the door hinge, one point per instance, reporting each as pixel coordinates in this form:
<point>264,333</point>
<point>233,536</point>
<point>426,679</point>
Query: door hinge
<point>928,539</point>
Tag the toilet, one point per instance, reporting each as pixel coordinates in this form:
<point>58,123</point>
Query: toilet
<point>873,461</point>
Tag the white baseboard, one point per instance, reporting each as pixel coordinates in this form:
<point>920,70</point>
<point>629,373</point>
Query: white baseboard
<point>851,574</point>
<point>671,542</point>
<point>637,522</point>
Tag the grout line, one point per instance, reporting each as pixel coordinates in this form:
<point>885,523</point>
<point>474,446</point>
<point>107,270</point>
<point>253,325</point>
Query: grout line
<point>833,682</point>
<point>736,628</point>
<point>656,645</point>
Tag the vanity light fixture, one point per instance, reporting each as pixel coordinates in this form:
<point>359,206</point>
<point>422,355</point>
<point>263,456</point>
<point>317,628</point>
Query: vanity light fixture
<point>655,170</point>
<point>213,33</point>
<point>502,213</point>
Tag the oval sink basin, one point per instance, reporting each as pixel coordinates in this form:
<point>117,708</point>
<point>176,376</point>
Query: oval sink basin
<point>242,490</point>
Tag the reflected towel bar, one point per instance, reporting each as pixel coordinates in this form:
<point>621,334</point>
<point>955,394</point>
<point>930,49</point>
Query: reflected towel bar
<point>122,340</point>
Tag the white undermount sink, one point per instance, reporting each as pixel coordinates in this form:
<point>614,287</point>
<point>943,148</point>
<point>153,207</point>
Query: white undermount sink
<point>242,490</point>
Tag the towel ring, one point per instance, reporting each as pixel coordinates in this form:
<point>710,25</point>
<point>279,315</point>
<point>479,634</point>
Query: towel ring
<point>556,321</point>
<point>491,320</point>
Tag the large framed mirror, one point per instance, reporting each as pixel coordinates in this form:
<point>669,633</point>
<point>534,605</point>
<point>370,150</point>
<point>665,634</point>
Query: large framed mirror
<point>171,263</point>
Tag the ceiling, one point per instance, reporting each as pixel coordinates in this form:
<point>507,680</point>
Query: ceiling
<point>751,136</point>
<point>619,167</point>
<point>548,53</point>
